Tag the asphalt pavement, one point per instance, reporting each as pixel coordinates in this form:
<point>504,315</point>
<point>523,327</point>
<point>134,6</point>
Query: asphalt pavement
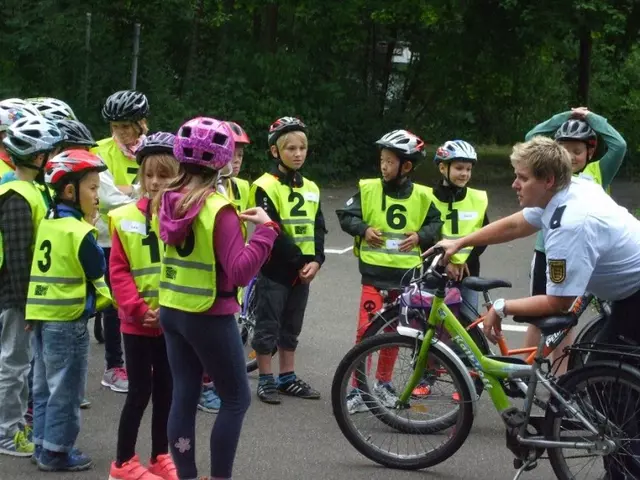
<point>299,439</point>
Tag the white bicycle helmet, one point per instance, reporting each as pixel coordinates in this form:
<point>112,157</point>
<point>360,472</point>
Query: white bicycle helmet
<point>8,115</point>
<point>405,144</point>
<point>52,108</point>
<point>11,105</point>
<point>456,150</point>
<point>30,136</point>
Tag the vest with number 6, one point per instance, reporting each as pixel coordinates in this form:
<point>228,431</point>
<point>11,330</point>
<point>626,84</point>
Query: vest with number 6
<point>143,249</point>
<point>464,217</point>
<point>297,208</point>
<point>33,195</point>
<point>398,217</point>
<point>58,284</point>
<point>188,273</point>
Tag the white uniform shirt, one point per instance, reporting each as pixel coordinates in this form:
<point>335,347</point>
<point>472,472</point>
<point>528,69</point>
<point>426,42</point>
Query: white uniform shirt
<point>110,198</point>
<point>592,243</point>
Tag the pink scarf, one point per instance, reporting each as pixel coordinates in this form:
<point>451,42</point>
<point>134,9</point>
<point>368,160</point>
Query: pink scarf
<point>130,152</point>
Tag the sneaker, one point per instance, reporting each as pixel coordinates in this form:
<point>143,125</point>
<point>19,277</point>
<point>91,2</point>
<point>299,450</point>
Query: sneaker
<point>209,401</point>
<point>38,451</point>
<point>131,470</point>
<point>421,390</point>
<point>386,394</point>
<point>74,461</point>
<point>164,467</point>
<point>17,445</point>
<point>85,404</point>
<point>116,379</point>
<point>268,392</point>
<point>299,388</point>
<point>355,403</point>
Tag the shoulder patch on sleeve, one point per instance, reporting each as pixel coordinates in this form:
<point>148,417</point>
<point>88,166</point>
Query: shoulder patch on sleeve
<point>557,270</point>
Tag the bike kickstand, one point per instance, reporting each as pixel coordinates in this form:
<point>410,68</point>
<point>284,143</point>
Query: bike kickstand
<point>528,465</point>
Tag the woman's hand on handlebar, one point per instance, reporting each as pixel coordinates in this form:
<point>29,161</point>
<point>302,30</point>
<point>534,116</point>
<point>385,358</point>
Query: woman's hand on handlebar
<point>449,246</point>
<point>457,272</point>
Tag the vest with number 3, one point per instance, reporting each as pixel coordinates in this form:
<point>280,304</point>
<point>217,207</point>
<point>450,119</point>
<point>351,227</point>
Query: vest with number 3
<point>58,284</point>
<point>400,216</point>
<point>297,208</point>
<point>188,272</point>
<point>464,217</point>
<point>143,249</point>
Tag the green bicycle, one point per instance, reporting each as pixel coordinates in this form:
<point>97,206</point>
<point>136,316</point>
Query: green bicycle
<point>586,409</point>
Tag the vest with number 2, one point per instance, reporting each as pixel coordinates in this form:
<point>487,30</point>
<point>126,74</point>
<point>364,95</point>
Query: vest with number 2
<point>58,284</point>
<point>143,249</point>
<point>399,216</point>
<point>297,208</point>
<point>462,218</point>
<point>188,273</point>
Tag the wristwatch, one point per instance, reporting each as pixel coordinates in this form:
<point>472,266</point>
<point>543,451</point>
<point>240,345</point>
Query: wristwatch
<point>498,306</point>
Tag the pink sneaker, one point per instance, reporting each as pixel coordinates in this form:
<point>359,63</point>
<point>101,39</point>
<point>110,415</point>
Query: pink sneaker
<point>116,379</point>
<point>131,470</point>
<point>164,467</point>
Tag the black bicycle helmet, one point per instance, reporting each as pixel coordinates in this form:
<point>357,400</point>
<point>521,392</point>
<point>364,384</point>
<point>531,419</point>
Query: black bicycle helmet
<point>76,134</point>
<point>159,142</point>
<point>575,129</point>
<point>125,105</point>
<point>285,125</point>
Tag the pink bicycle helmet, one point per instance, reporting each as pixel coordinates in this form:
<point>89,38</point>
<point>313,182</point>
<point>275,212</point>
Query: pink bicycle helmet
<point>206,142</point>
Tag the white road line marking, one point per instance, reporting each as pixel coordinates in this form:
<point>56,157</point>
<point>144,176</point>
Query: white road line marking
<point>338,251</point>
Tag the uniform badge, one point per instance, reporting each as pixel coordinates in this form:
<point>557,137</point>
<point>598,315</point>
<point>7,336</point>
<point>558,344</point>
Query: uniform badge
<point>557,270</point>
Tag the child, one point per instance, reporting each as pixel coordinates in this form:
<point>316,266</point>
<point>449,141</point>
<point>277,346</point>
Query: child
<point>67,284</point>
<point>237,190</point>
<point>204,261</point>
<point>126,111</point>
<point>135,275</point>
<point>283,285</point>
<point>23,204</point>
<point>577,130</point>
<point>463,209</point>
<point>11,110</point>
<point>396,219</point>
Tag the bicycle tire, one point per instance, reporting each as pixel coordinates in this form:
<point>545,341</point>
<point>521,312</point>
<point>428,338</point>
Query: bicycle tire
<point>246,332</point>
<point>342,377</point>
<point>587,334</point>
<point>569,383</point>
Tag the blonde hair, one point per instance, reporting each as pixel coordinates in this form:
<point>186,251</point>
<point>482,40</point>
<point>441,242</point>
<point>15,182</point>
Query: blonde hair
<point>197,182</point>
<point>163,163</point>
<point>545,158</point>
<point>286,139</point>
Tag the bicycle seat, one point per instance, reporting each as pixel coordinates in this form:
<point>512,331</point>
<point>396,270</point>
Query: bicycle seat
<point>549,325</point>
<point>480,284</point>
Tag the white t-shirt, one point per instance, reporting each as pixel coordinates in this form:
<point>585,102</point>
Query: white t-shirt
<point>592,243</point>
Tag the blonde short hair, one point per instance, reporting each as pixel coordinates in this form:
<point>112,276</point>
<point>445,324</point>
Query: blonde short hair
<point>545,158</point>
<point>286,139</point>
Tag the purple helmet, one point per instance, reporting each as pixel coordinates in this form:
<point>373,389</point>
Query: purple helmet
<point>206,142</point>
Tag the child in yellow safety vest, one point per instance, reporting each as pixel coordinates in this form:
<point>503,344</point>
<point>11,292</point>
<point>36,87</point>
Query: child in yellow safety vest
<point>392,220</point>
<point>67,285</point>
<point>134,267</point>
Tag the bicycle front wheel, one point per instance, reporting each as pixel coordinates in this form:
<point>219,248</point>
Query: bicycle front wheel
<point>609,398</point>
<point>364,400</point>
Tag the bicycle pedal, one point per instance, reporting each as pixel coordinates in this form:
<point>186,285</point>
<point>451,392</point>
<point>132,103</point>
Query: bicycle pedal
<point>518,463</point>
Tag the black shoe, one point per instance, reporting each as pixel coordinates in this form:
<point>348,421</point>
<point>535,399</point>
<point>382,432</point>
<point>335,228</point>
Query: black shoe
<point>299,388</point>
<point>268,393</point>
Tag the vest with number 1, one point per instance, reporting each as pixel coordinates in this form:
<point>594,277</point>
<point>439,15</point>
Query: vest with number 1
<point>297,207</point>
<point>142,247</point>
<point>399,216</point>
<point>58,284</point>
<point>188,273</point>
<point>464,217</point>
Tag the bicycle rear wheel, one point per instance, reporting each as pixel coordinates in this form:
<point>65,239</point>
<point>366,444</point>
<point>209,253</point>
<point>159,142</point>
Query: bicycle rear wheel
<point>587,335</point>
<point>609,398</point>
<point>394,436</point>
<point>247,324</point>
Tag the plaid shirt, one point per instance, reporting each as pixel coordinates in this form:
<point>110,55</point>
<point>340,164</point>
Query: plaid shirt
<point>17,232</point>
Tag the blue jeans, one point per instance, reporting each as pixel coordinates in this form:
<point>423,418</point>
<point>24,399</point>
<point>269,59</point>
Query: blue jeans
<point>213,342</point>
<point>59,381</point>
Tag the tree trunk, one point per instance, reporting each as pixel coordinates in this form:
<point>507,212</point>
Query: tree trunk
<point>584,66</point>
<point>257,26</point>
<point>387,69</point>
<point>193,49</point>
<point>272,27</point>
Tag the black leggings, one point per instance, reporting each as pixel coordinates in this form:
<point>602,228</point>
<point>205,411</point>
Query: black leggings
<point>149,374</point>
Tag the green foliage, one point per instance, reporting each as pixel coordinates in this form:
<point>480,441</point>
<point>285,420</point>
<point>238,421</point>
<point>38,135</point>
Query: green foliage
<point>485,71</point>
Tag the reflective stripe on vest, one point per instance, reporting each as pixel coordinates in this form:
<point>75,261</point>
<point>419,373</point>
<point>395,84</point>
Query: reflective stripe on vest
<point>58,285</point>
<point>399,216</point>
<point>464,217</point>
<point>143,250</point>
<point>188,272</point>
<point>297,208</point>
<point>33,196</point>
